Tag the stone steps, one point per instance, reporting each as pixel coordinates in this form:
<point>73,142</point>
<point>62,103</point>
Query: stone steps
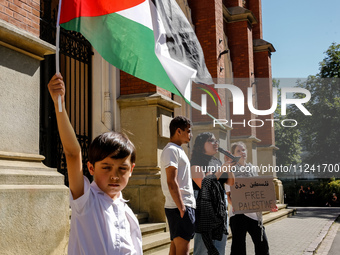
<point>154,235</point>
<point>157,241</point>
<point>142,217</point>
<point>150,229</point>
<point>165,251</point>
<point>283,212</point>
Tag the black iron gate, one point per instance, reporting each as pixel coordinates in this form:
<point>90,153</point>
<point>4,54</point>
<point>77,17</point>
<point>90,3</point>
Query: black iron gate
<point>76,68</point>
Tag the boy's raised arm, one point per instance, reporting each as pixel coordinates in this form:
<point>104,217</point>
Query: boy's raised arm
<point>68,138</point>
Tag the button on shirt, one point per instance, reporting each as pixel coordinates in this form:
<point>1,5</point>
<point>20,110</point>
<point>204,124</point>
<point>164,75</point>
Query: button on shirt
<point>102,226</point>
<point>121,227</point>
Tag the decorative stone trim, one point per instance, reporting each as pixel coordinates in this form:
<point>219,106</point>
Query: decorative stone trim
<point>147,99</point>
<point>238,13</point>
<point>262,45</point>
<point>245,139</point>
<point>202,126</point>
<point>20,156</point>
<point>23,42</point>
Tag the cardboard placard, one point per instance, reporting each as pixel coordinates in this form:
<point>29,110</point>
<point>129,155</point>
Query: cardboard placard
<point>253,194</point>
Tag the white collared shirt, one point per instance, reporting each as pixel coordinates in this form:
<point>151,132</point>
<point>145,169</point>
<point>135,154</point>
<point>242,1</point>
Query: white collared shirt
<point>102,226</point>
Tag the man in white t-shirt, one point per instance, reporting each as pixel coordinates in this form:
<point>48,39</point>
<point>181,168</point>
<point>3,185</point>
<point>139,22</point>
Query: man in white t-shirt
<point>177,187</point>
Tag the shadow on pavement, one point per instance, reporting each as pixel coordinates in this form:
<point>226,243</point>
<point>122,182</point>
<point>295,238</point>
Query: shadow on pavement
<point>319,212</point>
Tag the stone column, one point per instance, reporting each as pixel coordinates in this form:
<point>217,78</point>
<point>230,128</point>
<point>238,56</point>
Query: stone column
<point>145,118</point>
<point>267,157</point>
<point>34,207</point>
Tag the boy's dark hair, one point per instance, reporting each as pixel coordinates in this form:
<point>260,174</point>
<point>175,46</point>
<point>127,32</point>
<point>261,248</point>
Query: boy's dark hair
<point>200,141</point>
<point>179,122</point>
<point>111,143</point>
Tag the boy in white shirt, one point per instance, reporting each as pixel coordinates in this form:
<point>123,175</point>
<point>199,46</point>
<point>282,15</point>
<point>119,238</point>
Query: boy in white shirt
<point>101,222</point>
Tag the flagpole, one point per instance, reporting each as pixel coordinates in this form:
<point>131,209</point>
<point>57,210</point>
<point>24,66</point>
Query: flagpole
<point>57,52</point>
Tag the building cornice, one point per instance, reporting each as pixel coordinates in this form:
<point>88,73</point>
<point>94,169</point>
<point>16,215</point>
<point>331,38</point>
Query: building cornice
<point>262,45</point>
<point>22,41</point>
<point>208,126</point>
<point>245,139</point>
<point>4,155</point>
<point>238,13</point>
<point>147,99</point>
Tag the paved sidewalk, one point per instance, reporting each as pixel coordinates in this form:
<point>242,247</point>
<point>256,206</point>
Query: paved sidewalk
<point>331,243</point>
<point>300,234</point>
<point>335,248</point>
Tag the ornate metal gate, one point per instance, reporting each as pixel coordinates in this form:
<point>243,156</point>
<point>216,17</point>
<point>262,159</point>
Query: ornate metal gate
<point>76,68</point>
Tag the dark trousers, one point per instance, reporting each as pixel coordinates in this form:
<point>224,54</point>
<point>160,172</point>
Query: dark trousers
<point>240,225</point>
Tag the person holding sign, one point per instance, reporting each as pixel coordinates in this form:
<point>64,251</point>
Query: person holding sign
<point>252,222</point>
<point>208,182</point>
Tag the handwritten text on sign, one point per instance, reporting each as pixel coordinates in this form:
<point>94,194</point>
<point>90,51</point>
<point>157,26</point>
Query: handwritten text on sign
<point>253,194</point>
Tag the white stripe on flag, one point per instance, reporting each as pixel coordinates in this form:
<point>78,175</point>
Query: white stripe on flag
<point>139,13</point>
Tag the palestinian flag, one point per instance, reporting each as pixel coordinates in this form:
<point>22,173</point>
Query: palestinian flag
<point>151,40</point>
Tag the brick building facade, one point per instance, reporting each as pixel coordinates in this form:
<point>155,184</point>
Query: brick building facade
<point>33,196</point>
<point>34,200</point>
<point>23,14</point>
<point>234,28</point>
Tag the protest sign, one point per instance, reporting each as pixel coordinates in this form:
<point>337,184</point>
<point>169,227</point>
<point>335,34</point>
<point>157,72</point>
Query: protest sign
<point>253,194</point>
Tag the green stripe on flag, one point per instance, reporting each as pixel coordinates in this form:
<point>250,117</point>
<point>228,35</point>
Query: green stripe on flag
<point>126,45</point>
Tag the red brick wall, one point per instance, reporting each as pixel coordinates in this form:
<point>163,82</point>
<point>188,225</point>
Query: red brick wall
<point>240,45</point>
<point>163,92</point>
<point>207,16</point>
<point>240,41</point>
<point>256,7</point>
<point>132,85</point>
<point>211,107</point>
<point>232,3</point>
<point>238,129</point>
<point>264,95</point>
<point>262,62</point>
<point>203,17</point>
<point>250,65</point>
<point>24,14</point>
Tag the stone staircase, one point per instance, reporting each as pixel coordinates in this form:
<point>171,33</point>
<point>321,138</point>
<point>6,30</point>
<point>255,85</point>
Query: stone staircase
<point>283,212</point>
<point>155,235</point>
<point>156,239</point>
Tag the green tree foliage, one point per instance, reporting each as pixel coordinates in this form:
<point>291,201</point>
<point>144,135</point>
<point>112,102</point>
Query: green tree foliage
<point>286,139</point>
<point>320,133</point>
<point>323,190</point>
<point>330,66</point>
